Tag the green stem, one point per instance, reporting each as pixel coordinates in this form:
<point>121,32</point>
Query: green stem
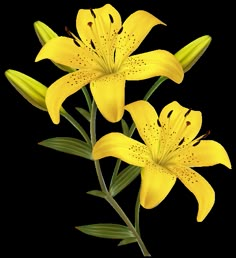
<point>87,97</point>
<point>103,186</point>
<point>76,125</point>
<point>115,172</point>
<point>136,213</point>
<point>154,87</point>
<point>93,141</point>
<point>124,217</point>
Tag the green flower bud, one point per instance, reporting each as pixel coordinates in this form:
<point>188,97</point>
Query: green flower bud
<point>190,54</point>
<point>33,91</point>
<point>44,34</point>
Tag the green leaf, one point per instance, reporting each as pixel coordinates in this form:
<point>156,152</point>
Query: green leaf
<point>69,145</point>
<point>125,127</point>
<point>123,179</point>
<point>84,113</point>
<point>97,193</point>
<point>106,230</point>
<point>127,241</point>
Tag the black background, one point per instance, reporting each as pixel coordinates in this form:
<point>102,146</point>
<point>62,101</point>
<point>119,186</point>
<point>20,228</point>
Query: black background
<point>44,192</point>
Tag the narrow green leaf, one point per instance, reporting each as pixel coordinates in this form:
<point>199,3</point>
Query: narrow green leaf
<point>97,193</point>
<point>84,113</point>
<point>123,179</point>
<point>127,241</point>
<point>125,127</point>
<point>68,145</point>
<point>106,230</point>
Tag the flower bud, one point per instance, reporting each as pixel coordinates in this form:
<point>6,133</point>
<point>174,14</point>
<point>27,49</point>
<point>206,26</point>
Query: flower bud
<point>43,32</point>
<point>190,54</point>
<point>33,91</point>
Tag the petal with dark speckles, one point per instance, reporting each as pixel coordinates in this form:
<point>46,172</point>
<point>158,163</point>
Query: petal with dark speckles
<point>109,95</point>
<point>64,87</point>
<point>63,50</point>
<point>122,147</point>
<point>206,153</point>
<point>145,119</point>
<point>201,189</point>
<point>135,29</point>
<point>102,29</point>
<point>155,185</point>
<point>152,64</point>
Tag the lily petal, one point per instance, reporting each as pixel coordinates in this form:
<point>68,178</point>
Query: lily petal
<point>64,87</point>
<point>179,124</point>
<point>201,189</point>
<point>134,30</point>
<point>99,25</point>
<point>63,50</point>
<point>109,95</point>
<point>145,118</point>
<point>151,64</point>
<point>156,183</point>
<point>205,153</point>
<point>121,146</point>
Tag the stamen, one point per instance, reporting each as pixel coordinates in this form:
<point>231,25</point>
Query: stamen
<point>196,143</point>
<point>169,114</point>
<point>76,43</point>
<point>206,134</point>
<point>181,141</point>
<point>92,44</point>
<point>158,122</point>
<point>114,56</point>
<point>120,30</point>
<point>187,113</point>
<point>93,13</point>
<point>68,32</point>
<point>202,137</point>
<point>188,123</point>
<point>90,24</point>
<point>111,18</point>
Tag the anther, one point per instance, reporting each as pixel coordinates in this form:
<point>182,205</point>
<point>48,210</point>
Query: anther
<point>68,32</point>
<point>187,113</point>
<point>196,143</point>
<point>93,13</point>
<point>92,44</point>
<point>169,114</point>
<point>76,43</point>
<point>181,141</point>
<point>120,30</point>
<point>114,56</point>
<point>206,134</point>
<point>111,18</point>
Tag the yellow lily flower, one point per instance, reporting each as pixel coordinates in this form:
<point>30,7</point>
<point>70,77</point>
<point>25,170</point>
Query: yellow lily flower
<point>169,152</point>
<point>102,57</point>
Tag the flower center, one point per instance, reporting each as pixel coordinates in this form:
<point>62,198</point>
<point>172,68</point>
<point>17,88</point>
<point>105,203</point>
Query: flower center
<point>173,135</point>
